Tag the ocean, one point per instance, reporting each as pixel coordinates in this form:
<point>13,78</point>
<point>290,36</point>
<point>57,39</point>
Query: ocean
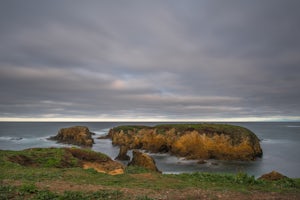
<point>280,143</point>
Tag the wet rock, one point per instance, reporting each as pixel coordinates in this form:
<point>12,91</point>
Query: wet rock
<point>201,162</point>
<point>123,153</point>
<point>214,163</point>
<point>77,135</point>
<point>16,138</point>
<point>143,160</point>
<point>272,176</point>
<point>103,137</point>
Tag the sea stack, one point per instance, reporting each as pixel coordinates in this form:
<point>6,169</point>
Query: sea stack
<point>143,160</point>
<point>77,135</point>
<point>123,153</point>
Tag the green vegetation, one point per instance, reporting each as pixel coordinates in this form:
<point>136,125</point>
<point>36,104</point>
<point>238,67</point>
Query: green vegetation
<point>235,132</point>
<point>51,157</point>
<point>127,128</point>
<point>203,127</point>
<point>33,193</point>
<point>50,180</point>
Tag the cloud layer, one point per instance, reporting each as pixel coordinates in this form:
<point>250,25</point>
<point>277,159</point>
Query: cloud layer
<point>150,60</point>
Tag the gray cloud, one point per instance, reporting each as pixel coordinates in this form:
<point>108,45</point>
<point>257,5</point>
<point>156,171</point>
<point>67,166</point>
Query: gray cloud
<point>150,60</point>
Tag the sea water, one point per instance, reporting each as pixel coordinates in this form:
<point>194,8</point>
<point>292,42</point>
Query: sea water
<point>280,143</point>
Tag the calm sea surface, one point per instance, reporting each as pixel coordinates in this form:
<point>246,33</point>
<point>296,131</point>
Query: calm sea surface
<point>280,143</point>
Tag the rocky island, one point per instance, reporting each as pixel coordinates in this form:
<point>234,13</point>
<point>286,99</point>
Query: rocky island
<point>192,141</point>
<point>77,135</point>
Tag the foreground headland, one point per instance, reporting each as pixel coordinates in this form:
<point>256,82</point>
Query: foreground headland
<point>72,173</point>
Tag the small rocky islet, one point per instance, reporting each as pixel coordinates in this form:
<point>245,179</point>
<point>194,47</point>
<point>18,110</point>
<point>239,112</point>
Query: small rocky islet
<point>77,135</point>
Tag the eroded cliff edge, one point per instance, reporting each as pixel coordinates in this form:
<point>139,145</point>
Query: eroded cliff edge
<point>192,141</point>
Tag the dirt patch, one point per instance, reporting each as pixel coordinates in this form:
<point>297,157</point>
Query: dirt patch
<point>109,168</point>
<point>147,176</point>
<point>61,186</point>
<point>226,195</point>
<point>169,194</point>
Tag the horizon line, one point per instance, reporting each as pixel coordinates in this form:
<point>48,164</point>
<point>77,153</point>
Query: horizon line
<point>242,119</point>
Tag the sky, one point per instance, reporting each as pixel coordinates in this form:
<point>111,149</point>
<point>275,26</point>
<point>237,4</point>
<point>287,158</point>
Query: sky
<point>138,60</point>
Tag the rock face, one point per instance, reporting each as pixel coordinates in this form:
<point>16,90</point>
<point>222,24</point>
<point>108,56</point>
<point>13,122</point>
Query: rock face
<point>123,153</point>
<point>97,161</point>
<point>143,160</point>
<point>272,176</point>
<point>192,141</point>
<point>77,135</point>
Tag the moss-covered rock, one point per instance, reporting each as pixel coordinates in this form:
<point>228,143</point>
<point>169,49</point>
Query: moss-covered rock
<point>77,135</point>
<point>140,159</point>
<point>193,141</point>
<point>272,176</point>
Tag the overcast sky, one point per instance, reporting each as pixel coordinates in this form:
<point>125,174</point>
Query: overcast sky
<point>150,60</point>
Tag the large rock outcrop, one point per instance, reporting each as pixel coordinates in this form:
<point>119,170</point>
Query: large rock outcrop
<point>143,160</point>
<point>77,135</point>
<point>192,141</point>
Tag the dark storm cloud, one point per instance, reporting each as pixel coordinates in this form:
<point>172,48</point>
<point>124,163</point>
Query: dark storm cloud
<point>150,59</point>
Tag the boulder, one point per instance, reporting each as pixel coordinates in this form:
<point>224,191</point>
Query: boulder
<point>200,162</point>
<point>123,153</point>
<point>143,160</point>
<point>103,137</point>
<point>272,176</point>
<point>77,135</point>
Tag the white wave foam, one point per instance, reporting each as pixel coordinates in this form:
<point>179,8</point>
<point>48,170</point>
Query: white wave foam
<point>276,141</point>
<point>10,138</point>
<point>293,126</point>
<point>102,132</point>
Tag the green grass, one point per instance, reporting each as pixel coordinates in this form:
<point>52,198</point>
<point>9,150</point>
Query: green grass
<point>40,157</point>
<point>127,128</point>
<point>33,193</point>
<point>210,128</point>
